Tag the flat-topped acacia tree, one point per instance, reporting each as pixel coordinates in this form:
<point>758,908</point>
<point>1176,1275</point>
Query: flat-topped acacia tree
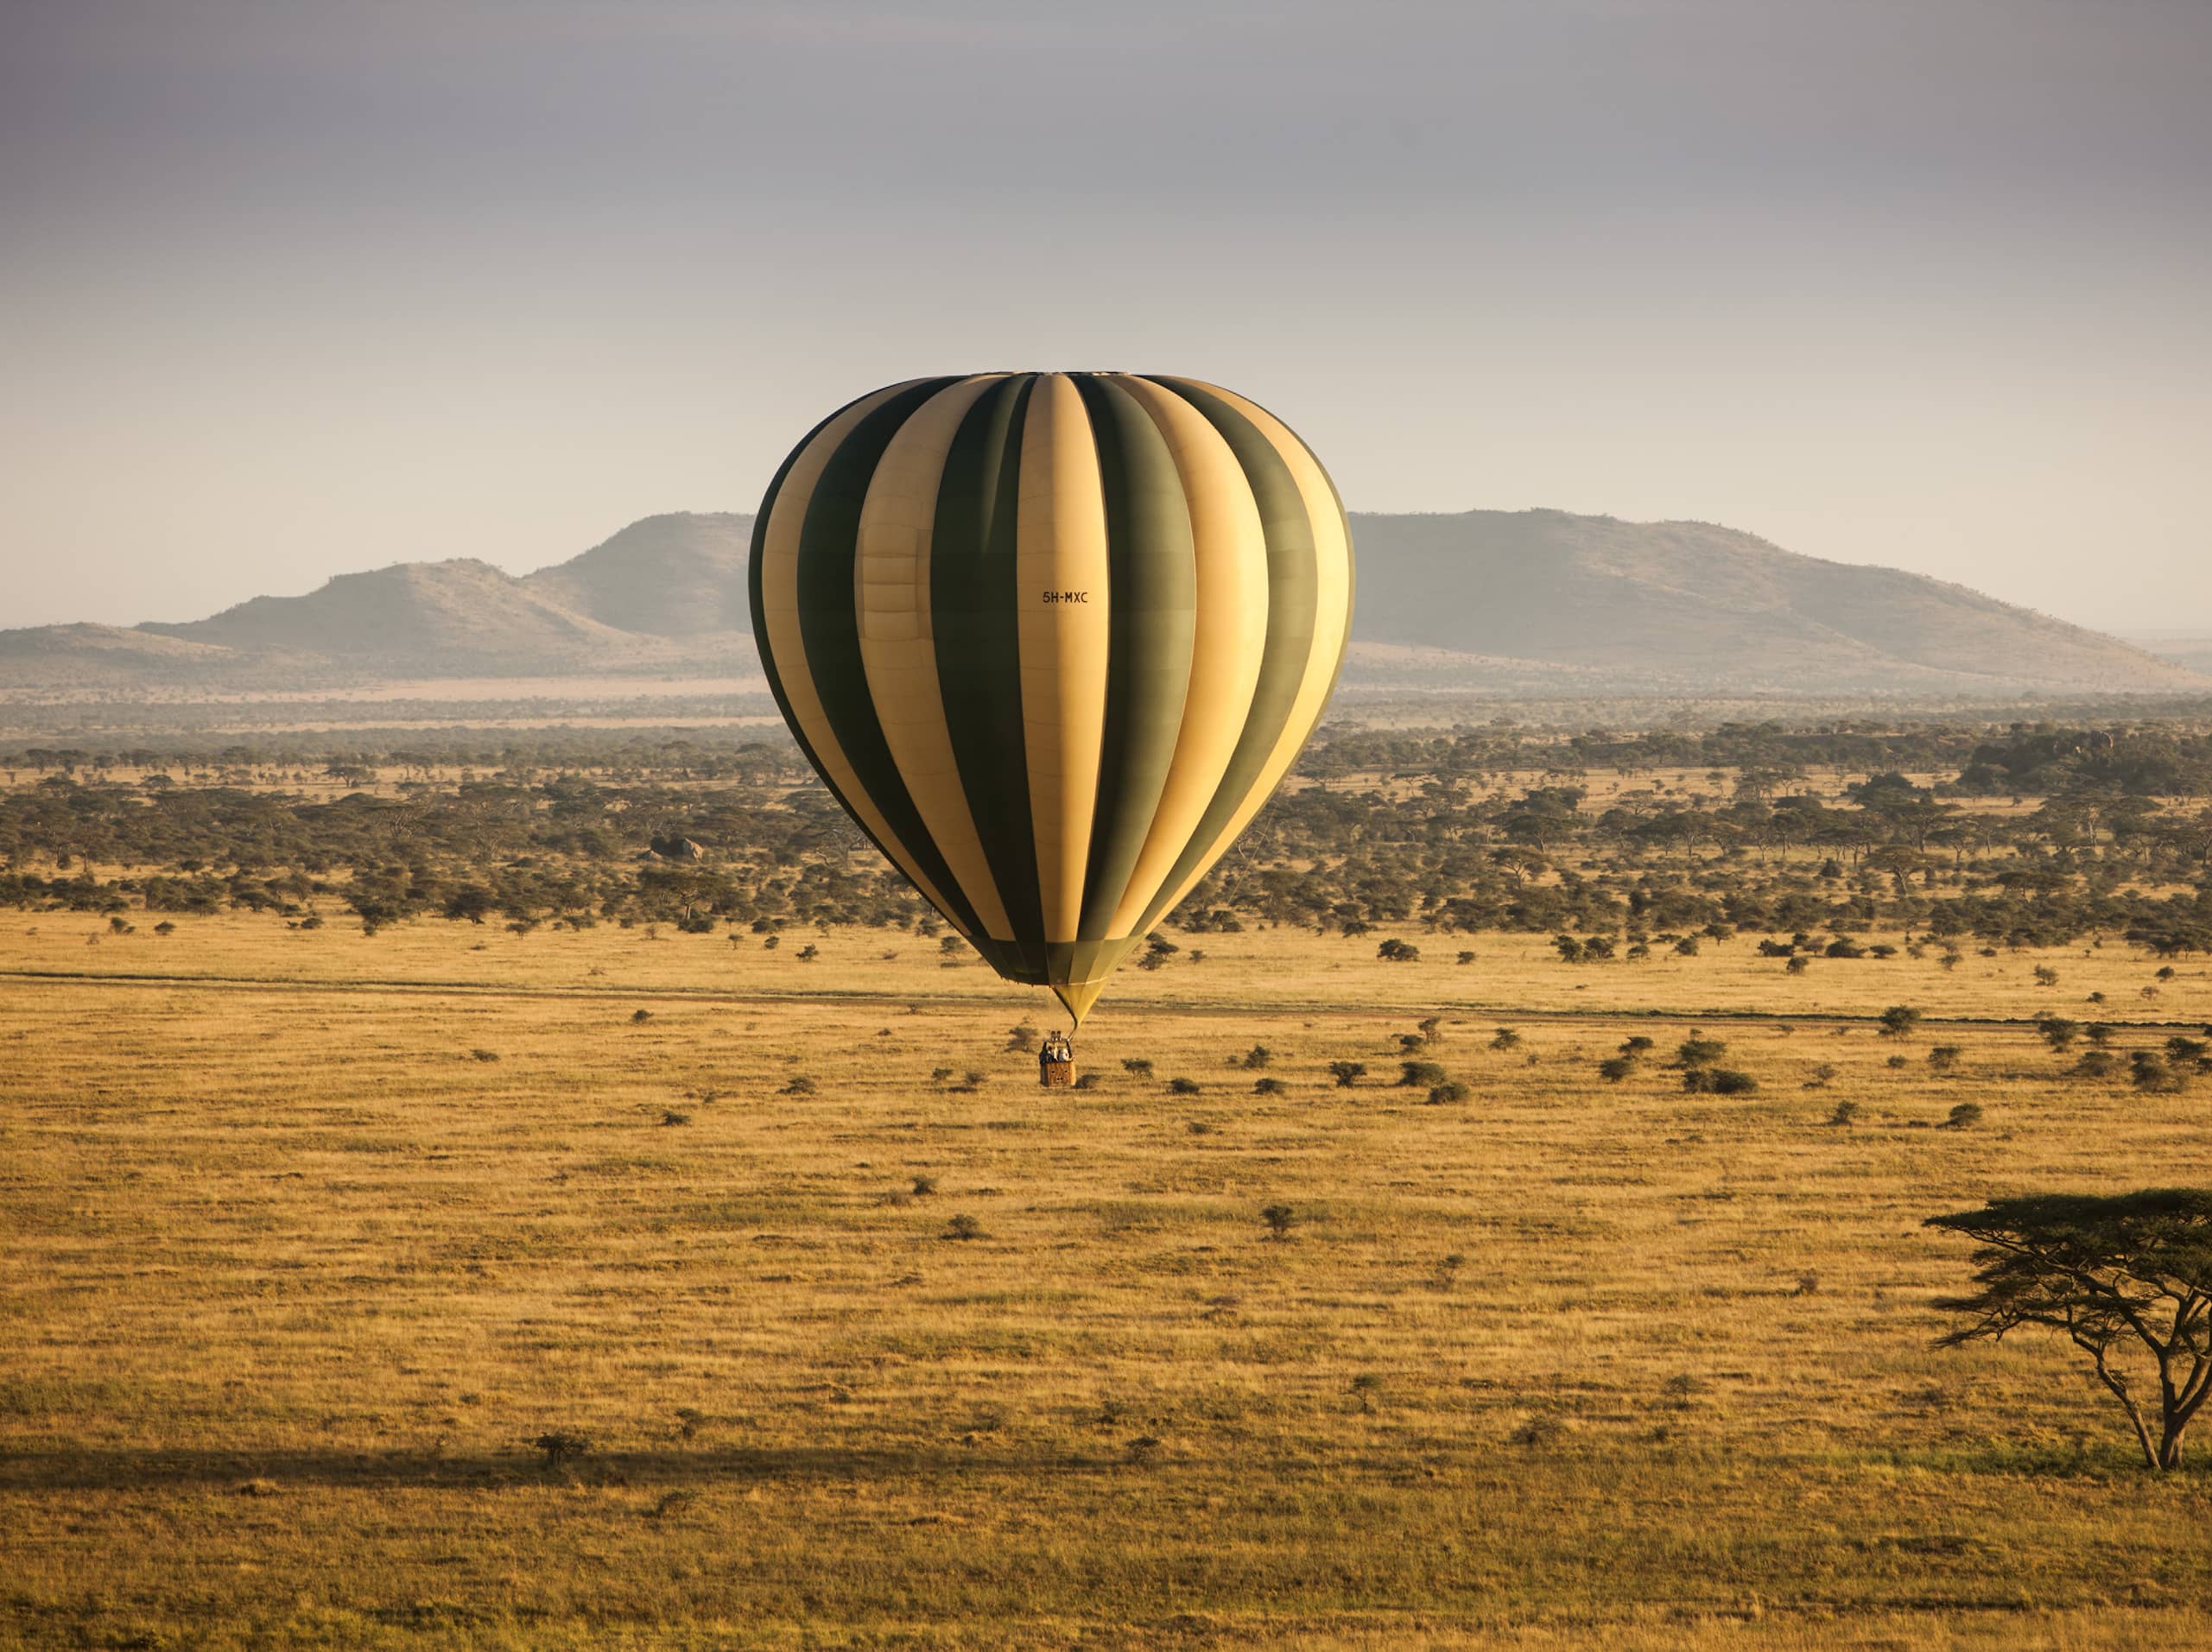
<point>2126,1277</point>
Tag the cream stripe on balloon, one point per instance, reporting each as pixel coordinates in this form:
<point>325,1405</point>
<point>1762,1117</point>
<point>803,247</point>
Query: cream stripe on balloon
<point>1332,615</point>
<point>1060,584</point>
<point>898,647</point>
<point>1228,643</point>
<point>779,608</point>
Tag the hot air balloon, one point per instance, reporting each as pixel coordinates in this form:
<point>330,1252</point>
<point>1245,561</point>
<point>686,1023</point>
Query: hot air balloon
<point>1052,639</point>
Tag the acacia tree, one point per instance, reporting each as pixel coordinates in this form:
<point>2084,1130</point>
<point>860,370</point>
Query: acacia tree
<point>2121,1275</point>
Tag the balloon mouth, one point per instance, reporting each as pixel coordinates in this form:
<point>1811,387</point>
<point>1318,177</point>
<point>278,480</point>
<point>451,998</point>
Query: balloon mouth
<point>1076,971</point>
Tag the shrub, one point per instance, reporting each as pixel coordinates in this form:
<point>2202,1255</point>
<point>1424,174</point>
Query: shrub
<point>2057,1031</point>
<point>799,1086</point>
<point>484,1055</point>
<point>1465,957</point>
<point>1346,1074</point>
<point>1022,1037</point>
<point>1280,1219</point>
<point>1087,1081</point>
<point>1697,1050</point>
<point>561,1447</point>
<point>1268,1087</point>
<point>1944,1058</point>
<point>1719,1081</point>
<point>1899,1020</point>
<point>1507,1039</point>
<point>2149,1072</point>
<point>2096,1063</point>
<point>1451,1091</point>
<point>925,1185</point>
<point>638,1017</point>
<point>1965,1116</point>
<point>1137,1067</point>
<point>1182,1086</point>
<point>963,1227</point>
<point>1845,1114</point>
<point>1415,1074</point>
<point>1687,946</point>
<point>1615,1068</point>
<point>1795,966</point>
<point>671,1117</point>
<point>1258,1057</point>
<point>1399,951</point>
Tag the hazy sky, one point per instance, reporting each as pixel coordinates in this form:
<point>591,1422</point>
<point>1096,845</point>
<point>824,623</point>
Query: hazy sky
<point>290,287</point>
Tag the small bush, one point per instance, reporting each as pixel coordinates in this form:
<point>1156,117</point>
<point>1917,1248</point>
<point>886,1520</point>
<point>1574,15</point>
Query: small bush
<point>1898,1021</point>
<point>1506,1039</point>
<point>484,1055</point>
<point>639,1017</point>
<point>1538,1432</point>
<point>1845,1114</point>
<point>1697,1051</point>
<point>799,1086</point>
<point>1944,1058</point>
<point>1268,1087</point>
<point>1346,1074</point>
<point>925,1185</point>
<point>1183,1087</point>
<point>1718,1081</point>
<point>1795,966</point>
<point>1413,1075</point>
<point>1257,1057</point>
<point>1399,951</point>
<point>673,1117</point>
<point>1965,1116</point>
<point>1450,1092</point>
<point>1615,1068</point>
<point>1137,1067</point>
<point>1280,1219</point>
<point>963,1227</point>
<point>561,1447</point>
<point>1087,1081</point>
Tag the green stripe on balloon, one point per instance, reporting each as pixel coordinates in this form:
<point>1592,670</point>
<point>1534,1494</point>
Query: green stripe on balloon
<point>830,626</point>
<point>1293,579</point>
<point>1151,612</point>
<point>975,616</point>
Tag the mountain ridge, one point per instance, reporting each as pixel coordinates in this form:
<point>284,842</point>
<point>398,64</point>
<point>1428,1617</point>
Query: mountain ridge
<point>1477,600</point>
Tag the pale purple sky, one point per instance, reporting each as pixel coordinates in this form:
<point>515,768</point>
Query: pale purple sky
<point>290,287</point>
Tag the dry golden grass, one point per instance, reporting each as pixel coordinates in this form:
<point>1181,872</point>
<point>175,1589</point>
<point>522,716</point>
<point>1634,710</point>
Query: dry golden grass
<point>293,1273</point>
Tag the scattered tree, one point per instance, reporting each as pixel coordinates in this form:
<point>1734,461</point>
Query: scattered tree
<point>2126,1277</point>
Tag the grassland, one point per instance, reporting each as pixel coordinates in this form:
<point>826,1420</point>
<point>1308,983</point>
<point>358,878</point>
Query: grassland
<point>310,1233</point>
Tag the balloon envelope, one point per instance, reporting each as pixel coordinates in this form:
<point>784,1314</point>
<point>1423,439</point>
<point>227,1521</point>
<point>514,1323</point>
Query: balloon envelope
<point>1052,639</point>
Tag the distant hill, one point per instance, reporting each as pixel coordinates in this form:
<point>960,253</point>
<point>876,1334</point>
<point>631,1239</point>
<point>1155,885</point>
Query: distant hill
<point>678,575</point>
<point>1533,602</point>
<point>1689,604</point>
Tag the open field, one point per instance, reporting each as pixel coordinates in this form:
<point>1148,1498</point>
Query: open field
<point>311,1232</point>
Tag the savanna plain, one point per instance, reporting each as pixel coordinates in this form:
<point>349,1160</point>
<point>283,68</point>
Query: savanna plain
<point>461,1274</point>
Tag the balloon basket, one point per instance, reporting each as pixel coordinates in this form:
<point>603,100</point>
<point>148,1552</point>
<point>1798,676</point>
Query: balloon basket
<point>1055,1062</point>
